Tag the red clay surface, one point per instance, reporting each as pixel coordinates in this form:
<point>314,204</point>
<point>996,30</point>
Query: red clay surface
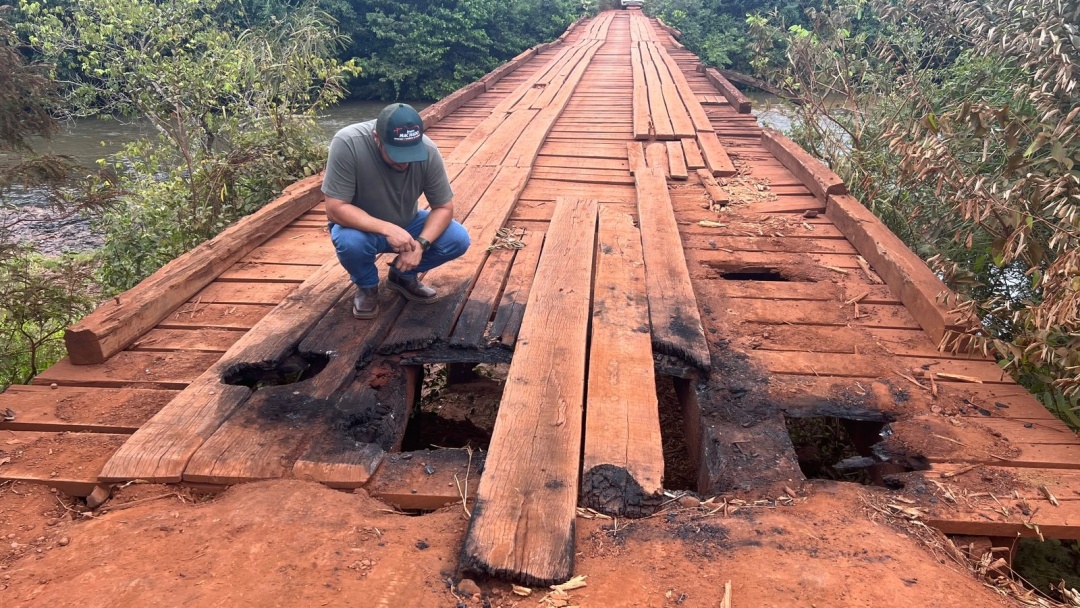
<point>291,543</point>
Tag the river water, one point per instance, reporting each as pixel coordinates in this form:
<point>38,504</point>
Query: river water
<point>89,140</point>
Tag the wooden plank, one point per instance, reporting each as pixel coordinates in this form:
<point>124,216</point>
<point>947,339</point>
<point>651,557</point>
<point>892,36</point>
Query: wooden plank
<point>160,450</point>
<point>472,324</point>
<point>635,155</point>
<point>80,409</point>
<point>681,122</point>
<point>821,364</point>
<point>422,324</point>
<point>262,438</point>
<point>194,339</point>
<point>216,316</point>
<point>904,272</point>
<point>692,152</point>
<point>656,157</point>
<point>823,313</point>
<point>818,177</point>
<point>232,292</point>
<point>523,522</point>
<point>733,95</point>
<point>174,370</point>
<point>676,323</point>
<point>68,462</point>
<point>404,481</point>
<point>713,190</point>
<point>268,273</point>
<point>697,113</point>
<point>623,461</point>
<point>527,147</point>
<point>716,158</point>
<point>676,161</point>
<point>439,110</point>
<point>118,322</point>
<point>643,125</point>
<point>508,316</point>
<point>654,90</point>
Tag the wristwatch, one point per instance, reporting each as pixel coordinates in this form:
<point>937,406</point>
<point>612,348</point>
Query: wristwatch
<point>424,243</point>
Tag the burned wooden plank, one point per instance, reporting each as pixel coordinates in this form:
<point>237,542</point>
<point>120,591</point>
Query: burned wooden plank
<point>623,464</point>
<point>160,450</point>
<point>546,407</point>
<point>676,322</point>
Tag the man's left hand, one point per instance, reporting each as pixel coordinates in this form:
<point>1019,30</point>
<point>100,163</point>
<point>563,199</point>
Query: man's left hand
<point>407,260</point>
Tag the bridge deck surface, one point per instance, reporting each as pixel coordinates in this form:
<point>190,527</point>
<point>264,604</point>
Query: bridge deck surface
<point>792,321</point>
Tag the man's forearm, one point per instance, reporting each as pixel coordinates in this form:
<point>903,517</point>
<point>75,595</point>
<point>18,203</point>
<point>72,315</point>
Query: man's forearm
<point>437,221</point>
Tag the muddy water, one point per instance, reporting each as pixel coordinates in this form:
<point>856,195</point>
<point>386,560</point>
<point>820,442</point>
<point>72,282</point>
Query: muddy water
<point>88,140</point>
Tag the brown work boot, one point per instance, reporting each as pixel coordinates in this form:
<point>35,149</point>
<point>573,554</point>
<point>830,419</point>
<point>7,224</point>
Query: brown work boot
<point>410,287</point>
<point>366,303</point>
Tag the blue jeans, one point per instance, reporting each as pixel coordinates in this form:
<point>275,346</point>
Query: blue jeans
<point>356,250</point>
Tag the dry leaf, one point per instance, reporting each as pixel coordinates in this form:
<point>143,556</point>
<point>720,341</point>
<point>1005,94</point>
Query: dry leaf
<point>522,591</point>
<point>5,460</point>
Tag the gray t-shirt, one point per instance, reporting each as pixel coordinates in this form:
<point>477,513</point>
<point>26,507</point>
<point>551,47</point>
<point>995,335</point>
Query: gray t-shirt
<point>356,172</point>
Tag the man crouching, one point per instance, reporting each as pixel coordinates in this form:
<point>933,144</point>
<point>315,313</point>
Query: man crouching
<point>375,173</point>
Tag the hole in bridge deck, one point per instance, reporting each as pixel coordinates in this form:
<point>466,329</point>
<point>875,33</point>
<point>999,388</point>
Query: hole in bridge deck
<point>456,408</point>
<point>846,449</point>
<point>290,370</point>
<point>753,274</point>
<point>679,470</point>
<point>1045,565</point>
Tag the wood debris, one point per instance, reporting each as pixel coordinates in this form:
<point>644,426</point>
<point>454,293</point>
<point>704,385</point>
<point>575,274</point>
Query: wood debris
<point>870,274</point>
<point>575,583</point>
<point>710,224</point>
<point>959,377</point>
<point>1049,496</point>
<point>522,591</point>
<point>960,471</point>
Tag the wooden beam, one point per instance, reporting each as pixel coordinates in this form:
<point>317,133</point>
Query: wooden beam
<point>121,320</point>
<point>818,177</point>
<point>623,463</point>
<point>928,299</point>
<point>673,311</point>
<point>716,157</point>
<point>676,161</point>
<point>734,96</point>
<point>530,486</point>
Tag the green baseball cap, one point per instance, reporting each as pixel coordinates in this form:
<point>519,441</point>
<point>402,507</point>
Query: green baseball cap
<point>401,131</point>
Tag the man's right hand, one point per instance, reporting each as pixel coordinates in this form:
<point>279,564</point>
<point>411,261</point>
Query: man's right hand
<point>399,239</point>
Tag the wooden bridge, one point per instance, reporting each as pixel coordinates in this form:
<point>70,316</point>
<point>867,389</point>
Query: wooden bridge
<point>631,222</point>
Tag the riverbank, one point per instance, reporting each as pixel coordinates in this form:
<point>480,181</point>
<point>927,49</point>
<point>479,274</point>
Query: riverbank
<point>86,141</point>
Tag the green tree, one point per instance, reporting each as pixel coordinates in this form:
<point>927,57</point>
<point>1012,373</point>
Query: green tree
<point>233,108</point>
<point>38,296</point>
<point>716,30</point>
<point>957,123</point>
<point>425,49</point>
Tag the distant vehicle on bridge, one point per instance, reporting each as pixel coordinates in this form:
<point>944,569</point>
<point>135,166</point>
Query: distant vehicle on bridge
<point>631,3</point>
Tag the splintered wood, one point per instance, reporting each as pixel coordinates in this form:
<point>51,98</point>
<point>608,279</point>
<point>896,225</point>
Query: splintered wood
<point>522,526</point>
